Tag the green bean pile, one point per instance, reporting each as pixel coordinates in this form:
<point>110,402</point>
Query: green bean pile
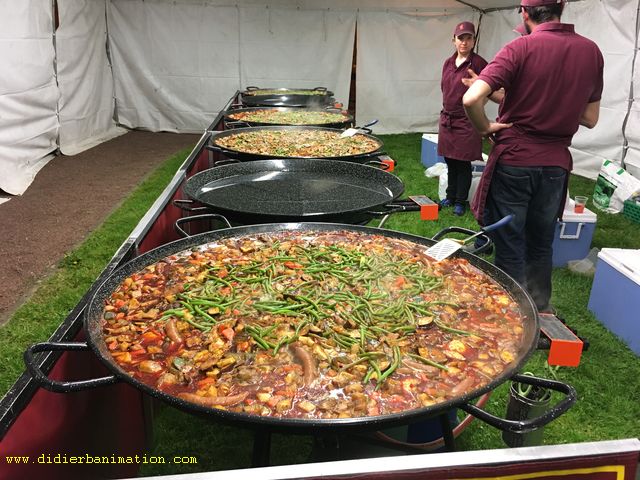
<point>340,292</point>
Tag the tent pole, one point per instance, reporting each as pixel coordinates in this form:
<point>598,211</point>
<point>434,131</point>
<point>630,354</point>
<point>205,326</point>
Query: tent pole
<point>55,21</point>
<point>107,46</point>
<point>625,141</point>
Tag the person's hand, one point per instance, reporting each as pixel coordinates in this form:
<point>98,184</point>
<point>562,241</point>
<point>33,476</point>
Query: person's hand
<point>472,78</point>
<point>495,127</point>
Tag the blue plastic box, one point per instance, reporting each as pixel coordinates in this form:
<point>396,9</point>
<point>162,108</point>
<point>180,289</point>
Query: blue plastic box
<point>615,294</point>
<point>573,236</point>
<point>429,153</point>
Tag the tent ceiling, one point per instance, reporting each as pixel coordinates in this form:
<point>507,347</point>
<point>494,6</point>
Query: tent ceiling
<point>397,5</point>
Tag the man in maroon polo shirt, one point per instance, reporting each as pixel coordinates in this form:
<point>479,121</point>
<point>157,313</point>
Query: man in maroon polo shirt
<point>458,142</point>
<point>552,80</point>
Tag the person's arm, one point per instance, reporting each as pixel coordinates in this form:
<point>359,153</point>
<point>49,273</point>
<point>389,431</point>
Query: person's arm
<point>590,115</point>
<point>473,101</point>
<point>496,96</point>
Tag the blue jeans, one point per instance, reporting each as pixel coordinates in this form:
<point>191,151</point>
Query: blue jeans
<point>524,247</point>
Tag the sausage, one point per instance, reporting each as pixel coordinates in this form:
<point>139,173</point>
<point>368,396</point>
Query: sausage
<point>172,331</point>
<point>463,386</point>
<point>419,366</point>
<point>308,363</point>
<point>213,401</point>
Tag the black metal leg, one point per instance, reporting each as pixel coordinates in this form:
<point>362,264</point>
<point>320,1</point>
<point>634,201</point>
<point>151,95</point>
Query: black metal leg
<point>261,448</point>
<point>447,432</point>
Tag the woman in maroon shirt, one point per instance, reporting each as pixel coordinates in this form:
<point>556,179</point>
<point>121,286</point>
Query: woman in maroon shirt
<point>458,142</point>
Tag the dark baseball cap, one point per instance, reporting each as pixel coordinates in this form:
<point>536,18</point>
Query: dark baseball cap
<point>464,27</point>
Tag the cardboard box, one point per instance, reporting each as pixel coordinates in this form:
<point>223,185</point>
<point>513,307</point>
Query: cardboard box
<point>615,294</point>
<point>573,236</point>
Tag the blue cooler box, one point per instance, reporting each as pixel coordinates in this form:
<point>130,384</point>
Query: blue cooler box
<point>429,153</point>
<point>573,236</point>
<point>615,294</point>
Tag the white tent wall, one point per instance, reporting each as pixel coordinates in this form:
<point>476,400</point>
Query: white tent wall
<point>632,127</point>
<point>84,76</point>
<point>28,92</point>
<point>399,66</point>
<point>177,63</point>
<point>615,33</point>
<point>297,48</point>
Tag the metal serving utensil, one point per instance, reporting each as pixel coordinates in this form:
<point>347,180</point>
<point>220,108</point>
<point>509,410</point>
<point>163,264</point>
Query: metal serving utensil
<point>448,246</point>
<point>350,132</point>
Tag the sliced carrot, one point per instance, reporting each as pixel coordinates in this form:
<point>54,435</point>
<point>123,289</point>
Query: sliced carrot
<point>205,382</point>
<point>293,265</point>
<point>400,282</point>
<point>151,337</point>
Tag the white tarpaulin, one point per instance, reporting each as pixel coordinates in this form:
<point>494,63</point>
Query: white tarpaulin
<point>177,64</point>
<point>400,58</point>
<point>632,129</point>
<point>28,92</point>
<point>84,76</point>
<point>614,32</point>
<point>297,48</point>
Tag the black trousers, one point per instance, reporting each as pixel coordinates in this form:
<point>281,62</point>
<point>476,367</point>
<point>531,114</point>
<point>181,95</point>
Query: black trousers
<point>458,180</point>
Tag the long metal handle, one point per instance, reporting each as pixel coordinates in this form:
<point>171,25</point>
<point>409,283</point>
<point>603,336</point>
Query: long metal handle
<point>213,148</point>
<point>377,163</point>
<point>522,426</point>
<point>185,204</point>
<point>226,161</point>
<point>204,216</point>
<point>395,207</point>
<point>485,247</point>
<point>61,386</point>
<point>500,223</point>
<point>236,124</point>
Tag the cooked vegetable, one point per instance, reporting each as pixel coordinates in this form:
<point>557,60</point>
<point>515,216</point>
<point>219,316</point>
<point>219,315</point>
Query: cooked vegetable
<point>312,325</point>
<point>289,117</point>
<point>305,143</point>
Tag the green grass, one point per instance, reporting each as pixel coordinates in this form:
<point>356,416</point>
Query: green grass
<point>38,318</point>
<point>607,380</point>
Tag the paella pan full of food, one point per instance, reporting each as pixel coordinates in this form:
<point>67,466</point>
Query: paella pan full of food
<point>309,325</point>
<point>270,116</point>
<point>260,143</point>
